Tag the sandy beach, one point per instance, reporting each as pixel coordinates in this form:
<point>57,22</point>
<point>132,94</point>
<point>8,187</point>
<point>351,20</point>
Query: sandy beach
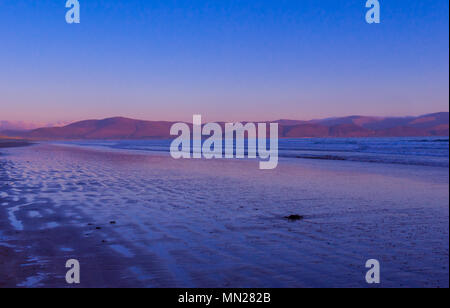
<point>137,220</point>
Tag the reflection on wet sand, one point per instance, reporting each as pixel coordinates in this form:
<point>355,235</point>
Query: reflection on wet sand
<point>150,221</point>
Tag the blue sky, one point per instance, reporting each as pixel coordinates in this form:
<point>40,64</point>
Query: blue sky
<point>227,60</point>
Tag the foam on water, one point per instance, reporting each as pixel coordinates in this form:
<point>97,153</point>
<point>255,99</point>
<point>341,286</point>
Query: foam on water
<point>427,151</point>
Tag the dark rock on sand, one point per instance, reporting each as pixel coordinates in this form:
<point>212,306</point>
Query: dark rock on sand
<point>294,217</point>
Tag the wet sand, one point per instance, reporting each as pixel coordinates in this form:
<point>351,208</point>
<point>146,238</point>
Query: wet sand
<point>135,220</point>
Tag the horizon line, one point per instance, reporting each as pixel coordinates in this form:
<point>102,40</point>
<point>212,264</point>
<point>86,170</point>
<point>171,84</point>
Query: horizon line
<point>65,123</point>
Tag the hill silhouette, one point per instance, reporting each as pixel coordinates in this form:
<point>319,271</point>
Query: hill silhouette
<point>436,124</point>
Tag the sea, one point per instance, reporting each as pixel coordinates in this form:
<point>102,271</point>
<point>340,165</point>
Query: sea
<point>423,151</point>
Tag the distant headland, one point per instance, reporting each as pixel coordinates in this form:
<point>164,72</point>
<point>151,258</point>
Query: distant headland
<point>435,124</point>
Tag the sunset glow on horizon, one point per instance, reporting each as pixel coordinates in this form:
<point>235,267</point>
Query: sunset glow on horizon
<point>252,61</point>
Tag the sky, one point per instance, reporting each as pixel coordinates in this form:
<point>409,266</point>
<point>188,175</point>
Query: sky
<point>250,60</point>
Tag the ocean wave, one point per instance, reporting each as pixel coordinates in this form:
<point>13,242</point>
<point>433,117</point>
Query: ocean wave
<point>406,151</point>
<point>372,159</point>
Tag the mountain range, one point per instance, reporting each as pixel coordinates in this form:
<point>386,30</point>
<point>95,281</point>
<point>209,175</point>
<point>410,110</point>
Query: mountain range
<point>436,124</point>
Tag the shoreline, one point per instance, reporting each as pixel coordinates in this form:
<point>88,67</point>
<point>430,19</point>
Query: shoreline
<point>141,221</point>
<point>14,143</point>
